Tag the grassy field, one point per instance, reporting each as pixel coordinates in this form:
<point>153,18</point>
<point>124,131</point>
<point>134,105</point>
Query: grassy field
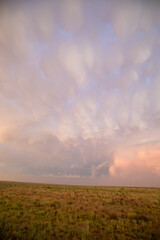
<point>39,211</point>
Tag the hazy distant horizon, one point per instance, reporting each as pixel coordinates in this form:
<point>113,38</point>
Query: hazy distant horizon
<point>80,92</point>
<point>76,185</point>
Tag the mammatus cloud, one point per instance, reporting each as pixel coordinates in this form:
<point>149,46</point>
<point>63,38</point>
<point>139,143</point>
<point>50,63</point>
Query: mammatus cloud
<point>80,92</point>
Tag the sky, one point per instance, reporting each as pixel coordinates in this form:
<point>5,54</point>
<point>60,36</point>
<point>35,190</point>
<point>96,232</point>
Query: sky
<point>80,92</point>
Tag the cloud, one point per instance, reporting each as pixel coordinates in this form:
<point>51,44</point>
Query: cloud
<point>114,57</point>
<point>72,61</point>
<point>150,15</point>
<point>125,18</point>
<point>138,165</point>
<point>72,14</point>
<point>78,82</point>
<point>51,156</point>
<point>43,19</point>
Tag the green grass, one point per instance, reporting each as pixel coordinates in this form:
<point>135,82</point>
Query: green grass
<point>51,212</point>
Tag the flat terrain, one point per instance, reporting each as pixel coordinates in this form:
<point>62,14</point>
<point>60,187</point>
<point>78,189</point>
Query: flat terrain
<point>39,211</point>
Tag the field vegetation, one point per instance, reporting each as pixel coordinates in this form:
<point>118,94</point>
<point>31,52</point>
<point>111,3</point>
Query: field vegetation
<point>52,212</point>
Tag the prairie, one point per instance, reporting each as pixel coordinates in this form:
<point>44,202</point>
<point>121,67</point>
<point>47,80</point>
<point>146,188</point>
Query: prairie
<point>52,212</point>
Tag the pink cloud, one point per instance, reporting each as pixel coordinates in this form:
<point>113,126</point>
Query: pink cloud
<point>80,91</point>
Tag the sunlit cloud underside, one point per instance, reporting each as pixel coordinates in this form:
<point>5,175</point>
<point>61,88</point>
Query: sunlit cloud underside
<point>80,92</point>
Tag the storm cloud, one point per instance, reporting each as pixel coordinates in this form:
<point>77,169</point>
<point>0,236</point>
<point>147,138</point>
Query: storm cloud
<point>80,91</point>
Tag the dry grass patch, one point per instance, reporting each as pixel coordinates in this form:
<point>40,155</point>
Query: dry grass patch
<point>51,212</point>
